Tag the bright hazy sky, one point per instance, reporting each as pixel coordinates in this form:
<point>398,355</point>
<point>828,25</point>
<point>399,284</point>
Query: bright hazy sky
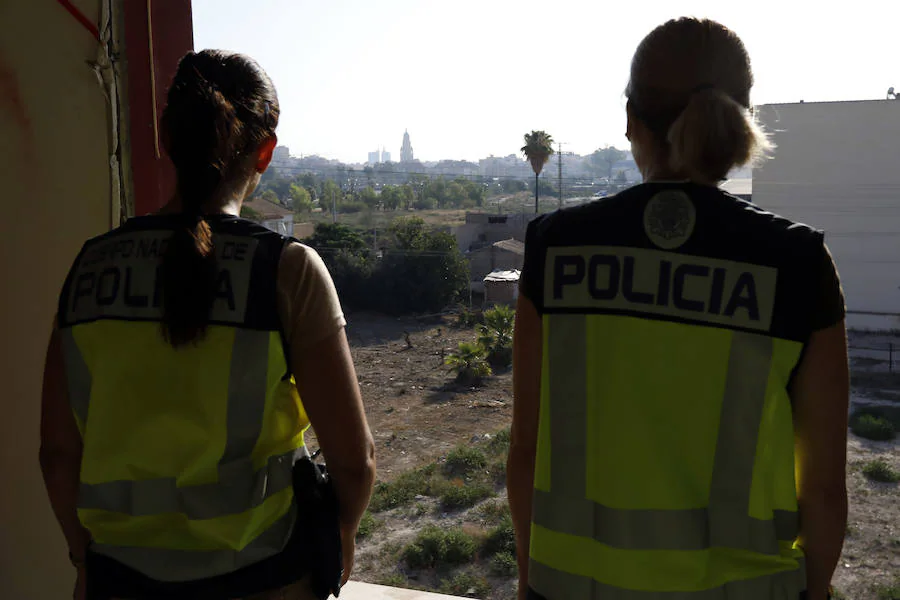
<point>468,78</point>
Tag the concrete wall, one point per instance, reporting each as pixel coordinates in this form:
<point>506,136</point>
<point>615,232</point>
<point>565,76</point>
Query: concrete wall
<point>837,167</point>
<point>56,193</point>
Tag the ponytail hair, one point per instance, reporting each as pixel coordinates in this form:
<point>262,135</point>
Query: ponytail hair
<point>712,135</point>
<point>220,107</point>
<point>690,85</point>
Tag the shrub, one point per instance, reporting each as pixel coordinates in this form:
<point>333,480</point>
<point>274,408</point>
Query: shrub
<point>464,461</point>
<point>879,470</point>
<point>460,547</point>
<point>872,427</point>
<point>499,443</point>
<point>397,580</point>
<point>404,489</point>
<point>466,584</point>
<point>504,564</point>
<point>494,512</point>
<point>468,317</point>
<point>889,592</point>
<point>435,546</point>
<point>367,525</point>
<point>498,471</point>
<point>469,363</point>
<point>464,496</point>
<point>496,335</point>
<point>501,538</point>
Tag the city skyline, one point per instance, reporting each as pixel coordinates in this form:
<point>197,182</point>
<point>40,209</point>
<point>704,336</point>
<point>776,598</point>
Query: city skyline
<point>462,79</point>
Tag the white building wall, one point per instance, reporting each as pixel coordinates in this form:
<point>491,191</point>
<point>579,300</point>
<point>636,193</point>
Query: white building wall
<point>284,225</point>
<point>837,167</point>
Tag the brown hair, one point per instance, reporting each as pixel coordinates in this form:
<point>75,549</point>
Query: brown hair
<point>220,108</point>
<point>690,85</point>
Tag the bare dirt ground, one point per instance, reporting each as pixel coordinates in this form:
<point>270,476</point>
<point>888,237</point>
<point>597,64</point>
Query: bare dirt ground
<point>415,410</point>
<point>418,415</point>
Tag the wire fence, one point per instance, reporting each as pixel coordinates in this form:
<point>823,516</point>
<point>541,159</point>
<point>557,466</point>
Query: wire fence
<point>876,357</point>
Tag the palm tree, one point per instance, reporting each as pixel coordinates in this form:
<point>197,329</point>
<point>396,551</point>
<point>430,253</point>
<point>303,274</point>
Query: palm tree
<point>537,149</point>
<point>469,363</point>
<point>496,335</point>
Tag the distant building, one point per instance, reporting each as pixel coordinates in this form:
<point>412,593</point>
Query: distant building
<point>385,156</point>
<point>374,158</point>
<point>835,167</point>
<point>281,158</point>
<point>483,229</point>
<point>505,166</point>
<point>505,255</point>
<point>272,216</point>
<point>501,287</point>
<point>406,150</point>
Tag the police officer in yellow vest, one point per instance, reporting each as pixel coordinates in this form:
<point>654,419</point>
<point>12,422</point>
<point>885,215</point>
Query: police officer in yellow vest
<point>185,342</point>
<point>679,353</point>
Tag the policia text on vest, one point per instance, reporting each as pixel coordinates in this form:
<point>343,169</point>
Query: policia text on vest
<point>113,278</point>
<point>694,288</point>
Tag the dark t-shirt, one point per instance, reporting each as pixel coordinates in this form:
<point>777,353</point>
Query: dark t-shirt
<point>684,220</point>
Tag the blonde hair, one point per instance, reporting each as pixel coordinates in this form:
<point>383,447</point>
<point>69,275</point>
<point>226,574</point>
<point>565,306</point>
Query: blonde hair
<point>690,85</point>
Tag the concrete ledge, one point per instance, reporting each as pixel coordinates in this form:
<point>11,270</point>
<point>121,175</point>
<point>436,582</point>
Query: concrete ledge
<point>355,590</point>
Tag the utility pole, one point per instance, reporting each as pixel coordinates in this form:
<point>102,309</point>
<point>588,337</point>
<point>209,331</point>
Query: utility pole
<point>559,163</point>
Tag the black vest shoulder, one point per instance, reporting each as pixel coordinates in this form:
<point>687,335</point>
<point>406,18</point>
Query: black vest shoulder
<point>117,274</point>
<point>677,251</point>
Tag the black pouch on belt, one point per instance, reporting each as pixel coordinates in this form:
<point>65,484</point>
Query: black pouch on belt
<point>318,520</point>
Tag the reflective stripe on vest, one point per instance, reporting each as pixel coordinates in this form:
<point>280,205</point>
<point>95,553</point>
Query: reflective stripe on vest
<point>552,583</point>
<point>724,523</point>
<point>239,487</point>
<point>185,565</point>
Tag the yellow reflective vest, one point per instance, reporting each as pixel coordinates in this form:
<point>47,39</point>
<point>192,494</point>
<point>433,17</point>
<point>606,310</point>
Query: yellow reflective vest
<point>187,465</point>
<point>673,318</point>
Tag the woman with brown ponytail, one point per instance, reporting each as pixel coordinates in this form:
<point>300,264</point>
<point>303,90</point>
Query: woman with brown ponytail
<point>679,355</point>
<point>192,350</point>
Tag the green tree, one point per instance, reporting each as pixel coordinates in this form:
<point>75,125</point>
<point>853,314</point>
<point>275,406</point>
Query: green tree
<point>334,236</point>
<point>496,335</point>
<point>409,233</point>
<point>456,194</point>
<point>369,197</point>
<point>422,271</point>
<point>475,190</point>
<point>511,186</point>
<point>331,192</point>
<point>606,158</point>
<point>406,196</point>
<point>270,196</point>
<point>469,362</point>
<point>280,186</point>
<point>537,149</point>
<point>301,201</point>
<point>390,197</point>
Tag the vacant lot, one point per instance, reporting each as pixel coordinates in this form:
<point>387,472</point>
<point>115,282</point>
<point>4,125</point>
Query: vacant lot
<point>420,419</point>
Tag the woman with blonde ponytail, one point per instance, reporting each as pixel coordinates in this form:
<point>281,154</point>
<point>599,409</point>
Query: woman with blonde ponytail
<point>681,380</point>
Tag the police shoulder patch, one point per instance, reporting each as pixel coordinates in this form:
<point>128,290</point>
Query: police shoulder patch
<point>669,219</point>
